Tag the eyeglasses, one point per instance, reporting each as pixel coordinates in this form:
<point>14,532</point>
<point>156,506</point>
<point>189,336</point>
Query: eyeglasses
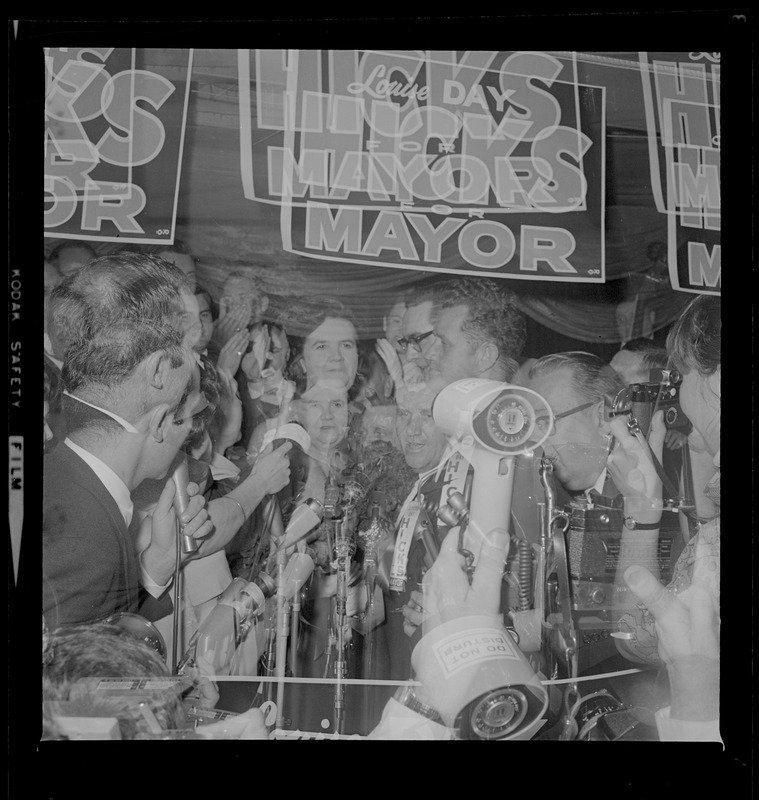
<point>414,340</point>
<point>542,422</point>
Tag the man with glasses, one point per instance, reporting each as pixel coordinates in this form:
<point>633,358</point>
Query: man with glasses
<point>464,328</point>
<point>574,384</point>
<point>470,328</point>
<point>579,444</point>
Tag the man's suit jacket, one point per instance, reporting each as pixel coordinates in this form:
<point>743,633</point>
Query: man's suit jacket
<point>89,564</point>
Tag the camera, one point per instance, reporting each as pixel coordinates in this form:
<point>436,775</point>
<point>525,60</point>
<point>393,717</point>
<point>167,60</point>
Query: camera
<point>640,401</point>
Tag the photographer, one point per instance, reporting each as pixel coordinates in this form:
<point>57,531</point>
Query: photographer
<point>694,347</point>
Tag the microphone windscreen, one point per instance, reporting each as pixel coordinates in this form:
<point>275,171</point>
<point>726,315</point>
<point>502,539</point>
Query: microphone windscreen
<point>297,572</point>
<point>181,478</point>
<point>303,520</point>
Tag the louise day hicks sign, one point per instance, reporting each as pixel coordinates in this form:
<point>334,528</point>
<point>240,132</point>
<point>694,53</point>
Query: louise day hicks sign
<point>682,99</point>
<point>477,163</point>
<point>113,145</point>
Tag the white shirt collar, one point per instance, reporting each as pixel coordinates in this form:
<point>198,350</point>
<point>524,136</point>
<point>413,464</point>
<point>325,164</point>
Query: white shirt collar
<point>598,486</point>
<point>113,484</point>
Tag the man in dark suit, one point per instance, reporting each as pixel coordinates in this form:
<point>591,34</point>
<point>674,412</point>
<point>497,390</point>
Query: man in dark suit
<point>131,387</point>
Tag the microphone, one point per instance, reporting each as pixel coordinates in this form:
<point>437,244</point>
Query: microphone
<point>302,521</point>
<point>332,496</point>
<point>181,478</point>
<point>297,572</point>
<point>256,592</point>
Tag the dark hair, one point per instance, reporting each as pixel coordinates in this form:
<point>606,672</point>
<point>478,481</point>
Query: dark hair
<point>369,361</point>
<point>211,387</point>
<point>63,318</point>
<point>200,291</point>
<point>652,356</point>
<point>695,339</point>
<point>119,309</point>
<point>312,314</point>
<point>592,377</point>
<point>493,316</point>
<point>52,384</point>
<point>244,274</point>
<point>129,247</point>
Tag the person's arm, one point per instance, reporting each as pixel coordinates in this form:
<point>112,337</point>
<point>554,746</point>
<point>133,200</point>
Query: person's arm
<point>270,473</point>
<point>687,628</point>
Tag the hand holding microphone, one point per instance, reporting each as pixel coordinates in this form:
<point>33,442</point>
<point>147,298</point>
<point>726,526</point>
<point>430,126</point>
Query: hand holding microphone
<point>188,507</point>
<point>181,502</point>
<point>273,469</point>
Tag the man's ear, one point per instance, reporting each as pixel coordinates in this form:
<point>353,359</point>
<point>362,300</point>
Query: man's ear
<point>486,356</point>
<point>158,418</point>
<point>604,424</point>
<point>157,369</point>
<point>264,303</point>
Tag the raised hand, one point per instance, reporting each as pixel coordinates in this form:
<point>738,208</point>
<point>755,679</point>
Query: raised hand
<point>232,319</point>
<point>631,466</point>
<point>231,354</point>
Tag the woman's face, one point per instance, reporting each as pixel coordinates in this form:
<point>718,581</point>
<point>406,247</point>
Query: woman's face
<point>700,400</point>
<point>330,353</point>
<point>325,412</point>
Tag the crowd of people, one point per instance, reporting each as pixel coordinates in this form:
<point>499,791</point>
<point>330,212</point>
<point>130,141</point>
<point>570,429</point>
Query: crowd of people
<point>146,370</point>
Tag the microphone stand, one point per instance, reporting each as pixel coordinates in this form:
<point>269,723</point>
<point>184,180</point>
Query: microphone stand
<point>294,632</point>
<point>176,650</point>
<point>282,631</point>
<point>343,553</point>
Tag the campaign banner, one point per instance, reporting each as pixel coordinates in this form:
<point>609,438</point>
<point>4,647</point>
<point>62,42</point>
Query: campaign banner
<point>682,101</point>
<point>482,162</point>
<point>114,135</point>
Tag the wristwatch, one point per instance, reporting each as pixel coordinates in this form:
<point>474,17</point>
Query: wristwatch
<point>633,525</point>
<point>406,696</point>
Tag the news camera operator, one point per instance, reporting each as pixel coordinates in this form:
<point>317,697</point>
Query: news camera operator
<point>677,626</point>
